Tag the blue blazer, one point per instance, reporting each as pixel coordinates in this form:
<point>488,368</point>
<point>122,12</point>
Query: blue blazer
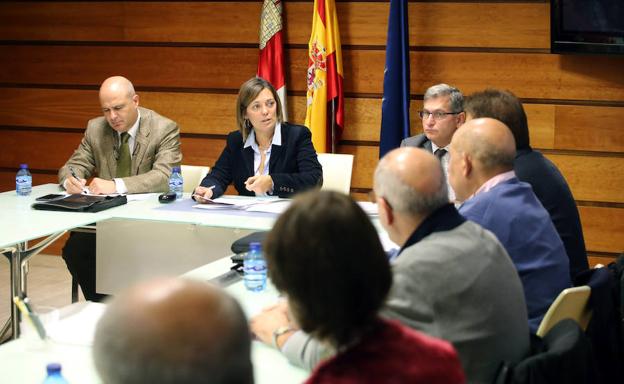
<point>293,166</point>
<point>514,214</point>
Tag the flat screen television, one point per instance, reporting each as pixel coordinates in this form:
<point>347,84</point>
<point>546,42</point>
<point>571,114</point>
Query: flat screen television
<point>587,26</point>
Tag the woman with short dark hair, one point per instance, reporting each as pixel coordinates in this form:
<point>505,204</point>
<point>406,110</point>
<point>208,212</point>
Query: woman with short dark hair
<point>324,254</point>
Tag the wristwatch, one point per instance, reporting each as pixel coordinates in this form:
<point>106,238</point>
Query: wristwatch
<point>279,332</point>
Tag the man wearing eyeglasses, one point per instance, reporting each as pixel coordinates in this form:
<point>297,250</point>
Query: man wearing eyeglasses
<point>442,114</point>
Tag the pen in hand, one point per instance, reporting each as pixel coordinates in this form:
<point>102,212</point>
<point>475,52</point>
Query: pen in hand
<point>195,196</point>
<point>73,173</point>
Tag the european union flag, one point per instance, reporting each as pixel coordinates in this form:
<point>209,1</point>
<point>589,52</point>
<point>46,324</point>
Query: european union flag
<point>395,122</point>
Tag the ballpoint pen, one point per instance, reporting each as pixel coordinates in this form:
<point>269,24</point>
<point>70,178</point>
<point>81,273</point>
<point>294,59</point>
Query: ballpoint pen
<point>194,195</point>
<point>31,316</point>
<point>73,173</point>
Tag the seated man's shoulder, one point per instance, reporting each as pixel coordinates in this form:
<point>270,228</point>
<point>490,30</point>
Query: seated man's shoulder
<point>453,243</point>
<point>156,120</point>
<point>537,170</point>
<point>415,141</point>
<point>469,248</point>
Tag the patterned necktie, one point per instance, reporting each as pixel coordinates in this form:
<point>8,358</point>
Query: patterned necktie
<point>439,153</point>
<point>124,160</point>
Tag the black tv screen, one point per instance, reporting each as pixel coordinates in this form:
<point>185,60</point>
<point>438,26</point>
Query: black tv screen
<point>587,26</point>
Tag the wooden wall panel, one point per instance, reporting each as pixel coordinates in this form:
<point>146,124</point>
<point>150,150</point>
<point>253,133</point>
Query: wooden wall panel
<point>60,108</point>
<point>592,178</point>
<point>603,228</point>
<point>201,151</point>
<point>7,178</point>
<point>146,66</point>
<point>41,150</point>
<point>551,126</point>
<point>195,112</point>
<point>528,75</point>
<point>133,21</point>
<point>590,128</point>
<point>541,119</point>
<point>452,24</point>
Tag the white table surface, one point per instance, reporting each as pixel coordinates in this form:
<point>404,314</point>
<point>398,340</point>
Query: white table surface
<point>24,360</point>
<point>20,223</point>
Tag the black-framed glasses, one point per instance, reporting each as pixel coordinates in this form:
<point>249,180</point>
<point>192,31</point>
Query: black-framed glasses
<point>437,115</point>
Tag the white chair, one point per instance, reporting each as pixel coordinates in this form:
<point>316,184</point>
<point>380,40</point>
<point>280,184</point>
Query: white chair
<point>193,175</point>
<point>337,170</point>
<point>572,303</point>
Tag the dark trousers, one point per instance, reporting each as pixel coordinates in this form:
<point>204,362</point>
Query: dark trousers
<point>79,255</point>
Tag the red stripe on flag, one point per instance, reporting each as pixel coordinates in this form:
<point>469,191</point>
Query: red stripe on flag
<point>335,99</point>
<point>321,10</point>
<point>270,63</point>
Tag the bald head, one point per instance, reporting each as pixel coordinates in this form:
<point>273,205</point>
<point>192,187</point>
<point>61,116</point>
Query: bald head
<point>480,149</point>
<point>412,181</point>
<point>173,331</point>
<point>490,142</point>
<point>119,103</point>
<point>118,85</point>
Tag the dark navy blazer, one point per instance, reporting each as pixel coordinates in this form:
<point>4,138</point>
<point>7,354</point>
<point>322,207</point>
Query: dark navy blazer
<point>293,165</point>
<point>553,192</point>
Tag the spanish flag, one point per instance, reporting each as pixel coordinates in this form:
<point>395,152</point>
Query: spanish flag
<point>325,100</point>
<point>271,60</point>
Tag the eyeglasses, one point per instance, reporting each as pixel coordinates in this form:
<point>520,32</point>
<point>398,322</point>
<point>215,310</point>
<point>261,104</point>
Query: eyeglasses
<point>437,115</point>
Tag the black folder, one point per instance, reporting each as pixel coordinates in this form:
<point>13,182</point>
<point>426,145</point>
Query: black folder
<point>81,203</point>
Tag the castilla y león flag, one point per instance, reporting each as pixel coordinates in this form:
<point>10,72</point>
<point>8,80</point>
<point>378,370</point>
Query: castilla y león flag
<point>271,60</point>
<point>325,100</point>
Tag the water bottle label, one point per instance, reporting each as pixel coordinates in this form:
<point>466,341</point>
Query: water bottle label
<point>23,185</point>
<point>255,275</point>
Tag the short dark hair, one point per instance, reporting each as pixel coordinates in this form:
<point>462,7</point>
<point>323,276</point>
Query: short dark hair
<point>325,254</point>
<point>500,105</point>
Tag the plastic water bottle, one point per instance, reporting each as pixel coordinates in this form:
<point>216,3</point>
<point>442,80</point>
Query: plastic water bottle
<point>176,183</point>
<point>54,375</point>
<point>23,181</point>
<point>254,269</point>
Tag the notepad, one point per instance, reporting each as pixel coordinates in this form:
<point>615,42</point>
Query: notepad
<point>276,206</point>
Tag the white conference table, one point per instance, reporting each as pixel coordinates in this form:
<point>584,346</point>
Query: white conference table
<point>24,360</point>
<point>19,223</point>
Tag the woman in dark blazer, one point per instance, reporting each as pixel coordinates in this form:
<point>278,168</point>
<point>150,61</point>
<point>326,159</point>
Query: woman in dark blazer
<point>265,156</point>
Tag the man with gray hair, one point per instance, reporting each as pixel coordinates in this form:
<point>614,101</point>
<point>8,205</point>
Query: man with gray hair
<point>482,173</point>
<point>442,114</point>
<point>173,331</point>
<point>451,279</point>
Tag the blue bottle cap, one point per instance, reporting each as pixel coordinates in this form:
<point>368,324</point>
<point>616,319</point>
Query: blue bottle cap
<point>53,368</point>
<point>23,166</point>
<point>255,246</point>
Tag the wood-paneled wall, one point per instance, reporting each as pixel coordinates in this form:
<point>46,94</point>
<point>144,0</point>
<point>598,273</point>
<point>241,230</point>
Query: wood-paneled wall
<point>187,60</point>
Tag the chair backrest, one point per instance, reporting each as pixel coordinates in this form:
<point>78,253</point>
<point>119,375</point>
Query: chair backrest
<point>571,303</point>
<point>193,175</point>
<point>337,170</point>
<point>563,356</point>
